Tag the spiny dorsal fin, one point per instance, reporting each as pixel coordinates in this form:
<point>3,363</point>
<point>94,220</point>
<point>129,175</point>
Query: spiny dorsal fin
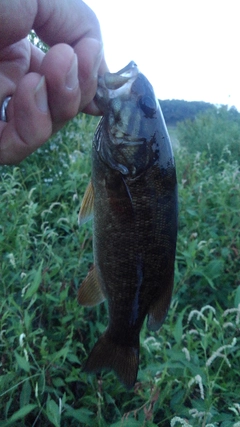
<point>86,210</point>
<point>90,292</point>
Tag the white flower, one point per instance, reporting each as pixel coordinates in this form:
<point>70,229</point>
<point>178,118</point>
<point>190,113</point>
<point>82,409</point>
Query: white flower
<point>183,422</point>
<point>186,352</point>
<point>198,380</point>
<point>21,340</point>
<point>12,259</point>
<point>218,353</point>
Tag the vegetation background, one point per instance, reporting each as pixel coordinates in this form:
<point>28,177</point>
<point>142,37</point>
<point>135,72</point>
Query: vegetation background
<point>190,370</point>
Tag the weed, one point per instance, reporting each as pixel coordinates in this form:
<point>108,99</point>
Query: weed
<point>189,370</point>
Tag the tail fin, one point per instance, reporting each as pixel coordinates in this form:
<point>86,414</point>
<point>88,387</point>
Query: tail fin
<point>123,360</point>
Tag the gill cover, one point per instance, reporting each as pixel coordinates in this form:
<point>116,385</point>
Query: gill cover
<point>124,140</point>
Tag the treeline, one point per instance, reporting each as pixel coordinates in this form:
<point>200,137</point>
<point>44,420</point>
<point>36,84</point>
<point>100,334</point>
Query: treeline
<point>176,110</point>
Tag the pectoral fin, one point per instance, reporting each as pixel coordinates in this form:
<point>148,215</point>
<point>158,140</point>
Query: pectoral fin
<point>90,292</point>
<point>86,210</point>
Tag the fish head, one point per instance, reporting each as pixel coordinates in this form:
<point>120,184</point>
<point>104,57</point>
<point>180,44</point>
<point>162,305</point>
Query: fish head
<point>131,116</point>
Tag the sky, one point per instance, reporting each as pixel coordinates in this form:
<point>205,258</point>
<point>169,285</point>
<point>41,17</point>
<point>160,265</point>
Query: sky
<point>188,49</point>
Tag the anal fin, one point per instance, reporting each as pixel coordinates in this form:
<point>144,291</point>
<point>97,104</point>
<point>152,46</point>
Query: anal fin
<point>90,292</point>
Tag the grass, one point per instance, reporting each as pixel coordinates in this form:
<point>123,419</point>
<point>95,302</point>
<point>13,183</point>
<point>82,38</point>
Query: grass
<point>189,372</point>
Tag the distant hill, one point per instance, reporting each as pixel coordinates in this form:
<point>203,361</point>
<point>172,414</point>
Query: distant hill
<point>176,110</point>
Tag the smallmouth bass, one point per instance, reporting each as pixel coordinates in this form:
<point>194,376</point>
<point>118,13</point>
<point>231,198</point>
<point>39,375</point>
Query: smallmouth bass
<point>133,196</point>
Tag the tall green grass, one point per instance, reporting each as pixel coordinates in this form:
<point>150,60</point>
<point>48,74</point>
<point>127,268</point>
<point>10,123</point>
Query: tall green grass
<point>190,370</point>
<point>215,133</point>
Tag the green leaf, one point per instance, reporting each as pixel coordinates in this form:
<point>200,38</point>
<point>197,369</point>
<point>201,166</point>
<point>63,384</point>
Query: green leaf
<point>73,358</point>
<point>36,282</point>
<point>58,382</point>
<point>19,415</point>
<point>27,319</point>
<point>53,413</point>
<point>25,393</point>
<point>22,362</point>
<point>128,422</point>
<point>83,415</point>
<point>237,297</point>
<point>214,269</point>
<point>178,328</point>
<point>60,354</point>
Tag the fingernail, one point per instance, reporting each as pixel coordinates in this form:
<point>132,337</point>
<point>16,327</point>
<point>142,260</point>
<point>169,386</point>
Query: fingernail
<point>41,95</point>
<point>72,75</point>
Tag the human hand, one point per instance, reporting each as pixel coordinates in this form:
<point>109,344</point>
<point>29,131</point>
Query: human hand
<point>46,89</point>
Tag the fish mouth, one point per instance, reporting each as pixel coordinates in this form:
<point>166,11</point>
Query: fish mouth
<point>111,85</point>
<point>117,80</point>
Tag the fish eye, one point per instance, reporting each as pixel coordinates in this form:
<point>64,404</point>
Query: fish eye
<point>148,106</point>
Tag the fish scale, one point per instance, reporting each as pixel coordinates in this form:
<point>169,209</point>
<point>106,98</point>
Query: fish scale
<point>133,195</point>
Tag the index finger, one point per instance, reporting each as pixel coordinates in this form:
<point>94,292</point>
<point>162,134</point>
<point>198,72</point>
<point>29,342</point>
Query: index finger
<point>74,23</point>
<point>68,21</point>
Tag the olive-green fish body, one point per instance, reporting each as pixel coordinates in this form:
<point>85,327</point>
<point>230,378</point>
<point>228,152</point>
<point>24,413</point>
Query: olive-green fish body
<point>134,196</point>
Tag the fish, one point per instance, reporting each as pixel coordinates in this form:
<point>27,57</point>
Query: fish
<point>132,198</point>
